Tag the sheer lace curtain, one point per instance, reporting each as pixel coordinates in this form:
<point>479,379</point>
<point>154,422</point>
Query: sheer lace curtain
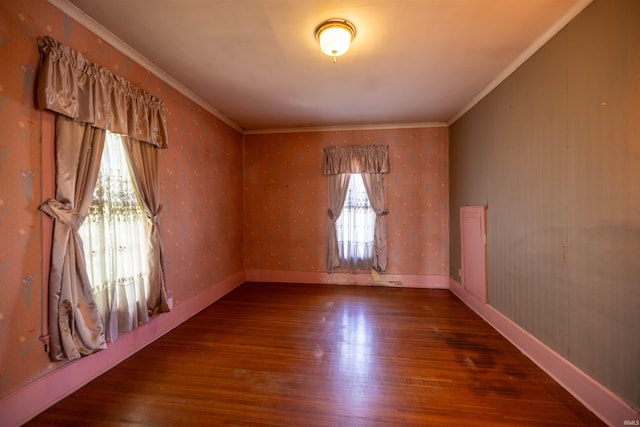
<point>89,100</point>
<point>369,163</point>
<point>355,227</point>
<point>114,235</point>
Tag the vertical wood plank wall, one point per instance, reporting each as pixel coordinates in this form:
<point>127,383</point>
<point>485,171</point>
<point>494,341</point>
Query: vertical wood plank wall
<point>554,152</point>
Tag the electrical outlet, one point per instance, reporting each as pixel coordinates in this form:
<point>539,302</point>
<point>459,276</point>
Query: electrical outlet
<point>459,272</point>
<point>170,302</point>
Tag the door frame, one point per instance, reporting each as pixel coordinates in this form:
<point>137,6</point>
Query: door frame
<point>473,243</point>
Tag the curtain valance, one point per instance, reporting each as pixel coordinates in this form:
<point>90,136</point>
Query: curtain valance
<point>356,159</point>
<point>70,85</point>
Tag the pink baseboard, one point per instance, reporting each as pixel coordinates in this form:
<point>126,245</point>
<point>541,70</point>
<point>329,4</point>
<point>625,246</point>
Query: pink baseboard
<point>602,402</point>
<point>407,281</point>
<point>19,407</point>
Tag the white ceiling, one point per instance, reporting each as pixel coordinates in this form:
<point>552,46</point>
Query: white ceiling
<point>257,65</point>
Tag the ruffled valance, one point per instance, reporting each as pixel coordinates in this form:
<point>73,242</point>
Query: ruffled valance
<point>356,159</point>
<point>70,85</point>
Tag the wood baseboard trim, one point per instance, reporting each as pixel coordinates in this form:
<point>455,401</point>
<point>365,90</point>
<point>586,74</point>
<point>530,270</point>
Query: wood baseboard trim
<point>601,401</point>
<point>21,406</point>
<point>363,279</point>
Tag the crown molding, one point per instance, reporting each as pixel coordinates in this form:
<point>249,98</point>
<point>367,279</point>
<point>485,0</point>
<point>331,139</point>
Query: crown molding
<point>92,25</point>
<point>340,128</point>
<point>523,57</point>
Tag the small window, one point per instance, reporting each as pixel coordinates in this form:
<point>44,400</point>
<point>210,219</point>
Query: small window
<point>355,227</point>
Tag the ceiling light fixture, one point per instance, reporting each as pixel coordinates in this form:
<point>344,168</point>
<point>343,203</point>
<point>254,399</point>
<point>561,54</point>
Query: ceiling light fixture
<point>335,36</point>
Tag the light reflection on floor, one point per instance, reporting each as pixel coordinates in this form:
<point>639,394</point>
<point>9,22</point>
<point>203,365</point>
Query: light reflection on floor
<point>354,359</point>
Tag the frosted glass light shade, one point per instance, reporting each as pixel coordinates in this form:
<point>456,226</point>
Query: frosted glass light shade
<point>335,36</point>
<point>334,41</point>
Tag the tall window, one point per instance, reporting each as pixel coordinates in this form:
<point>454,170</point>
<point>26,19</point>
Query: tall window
<point>88,101</point>
<point>355,227</point>
<point>115,243</point>
<point>351,169</point>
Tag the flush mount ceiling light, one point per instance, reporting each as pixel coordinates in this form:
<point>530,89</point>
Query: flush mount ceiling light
<point>335,36</point>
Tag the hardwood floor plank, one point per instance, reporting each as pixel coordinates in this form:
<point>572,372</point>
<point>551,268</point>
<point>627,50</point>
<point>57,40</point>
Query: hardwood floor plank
<point>272,354</point>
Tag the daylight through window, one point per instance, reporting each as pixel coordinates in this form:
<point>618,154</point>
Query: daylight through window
<point>115,240</point>
<point>355,227</point>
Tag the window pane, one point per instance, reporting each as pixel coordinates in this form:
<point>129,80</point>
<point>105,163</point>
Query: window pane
<point>114,236</point>
<point>355,227</point>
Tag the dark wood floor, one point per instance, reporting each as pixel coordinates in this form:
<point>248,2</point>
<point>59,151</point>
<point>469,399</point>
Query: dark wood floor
<point>318,355</point>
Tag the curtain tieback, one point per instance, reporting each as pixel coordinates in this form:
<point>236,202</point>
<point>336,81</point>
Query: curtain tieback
<point>58,211</point>
<point>382,213</point>
<point>332,216</point>
<point>154,218</point>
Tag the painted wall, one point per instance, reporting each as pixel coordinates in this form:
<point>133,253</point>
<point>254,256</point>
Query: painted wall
<point>286,199</point>
<point>202,219</point>
<point>554,152</point>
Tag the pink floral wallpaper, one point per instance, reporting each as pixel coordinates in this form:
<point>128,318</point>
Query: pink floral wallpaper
<point>286,199</point>
<point>200,177</point>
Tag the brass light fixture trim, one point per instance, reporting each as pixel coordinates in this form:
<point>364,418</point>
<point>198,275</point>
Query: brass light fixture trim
<point>335,36</point>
